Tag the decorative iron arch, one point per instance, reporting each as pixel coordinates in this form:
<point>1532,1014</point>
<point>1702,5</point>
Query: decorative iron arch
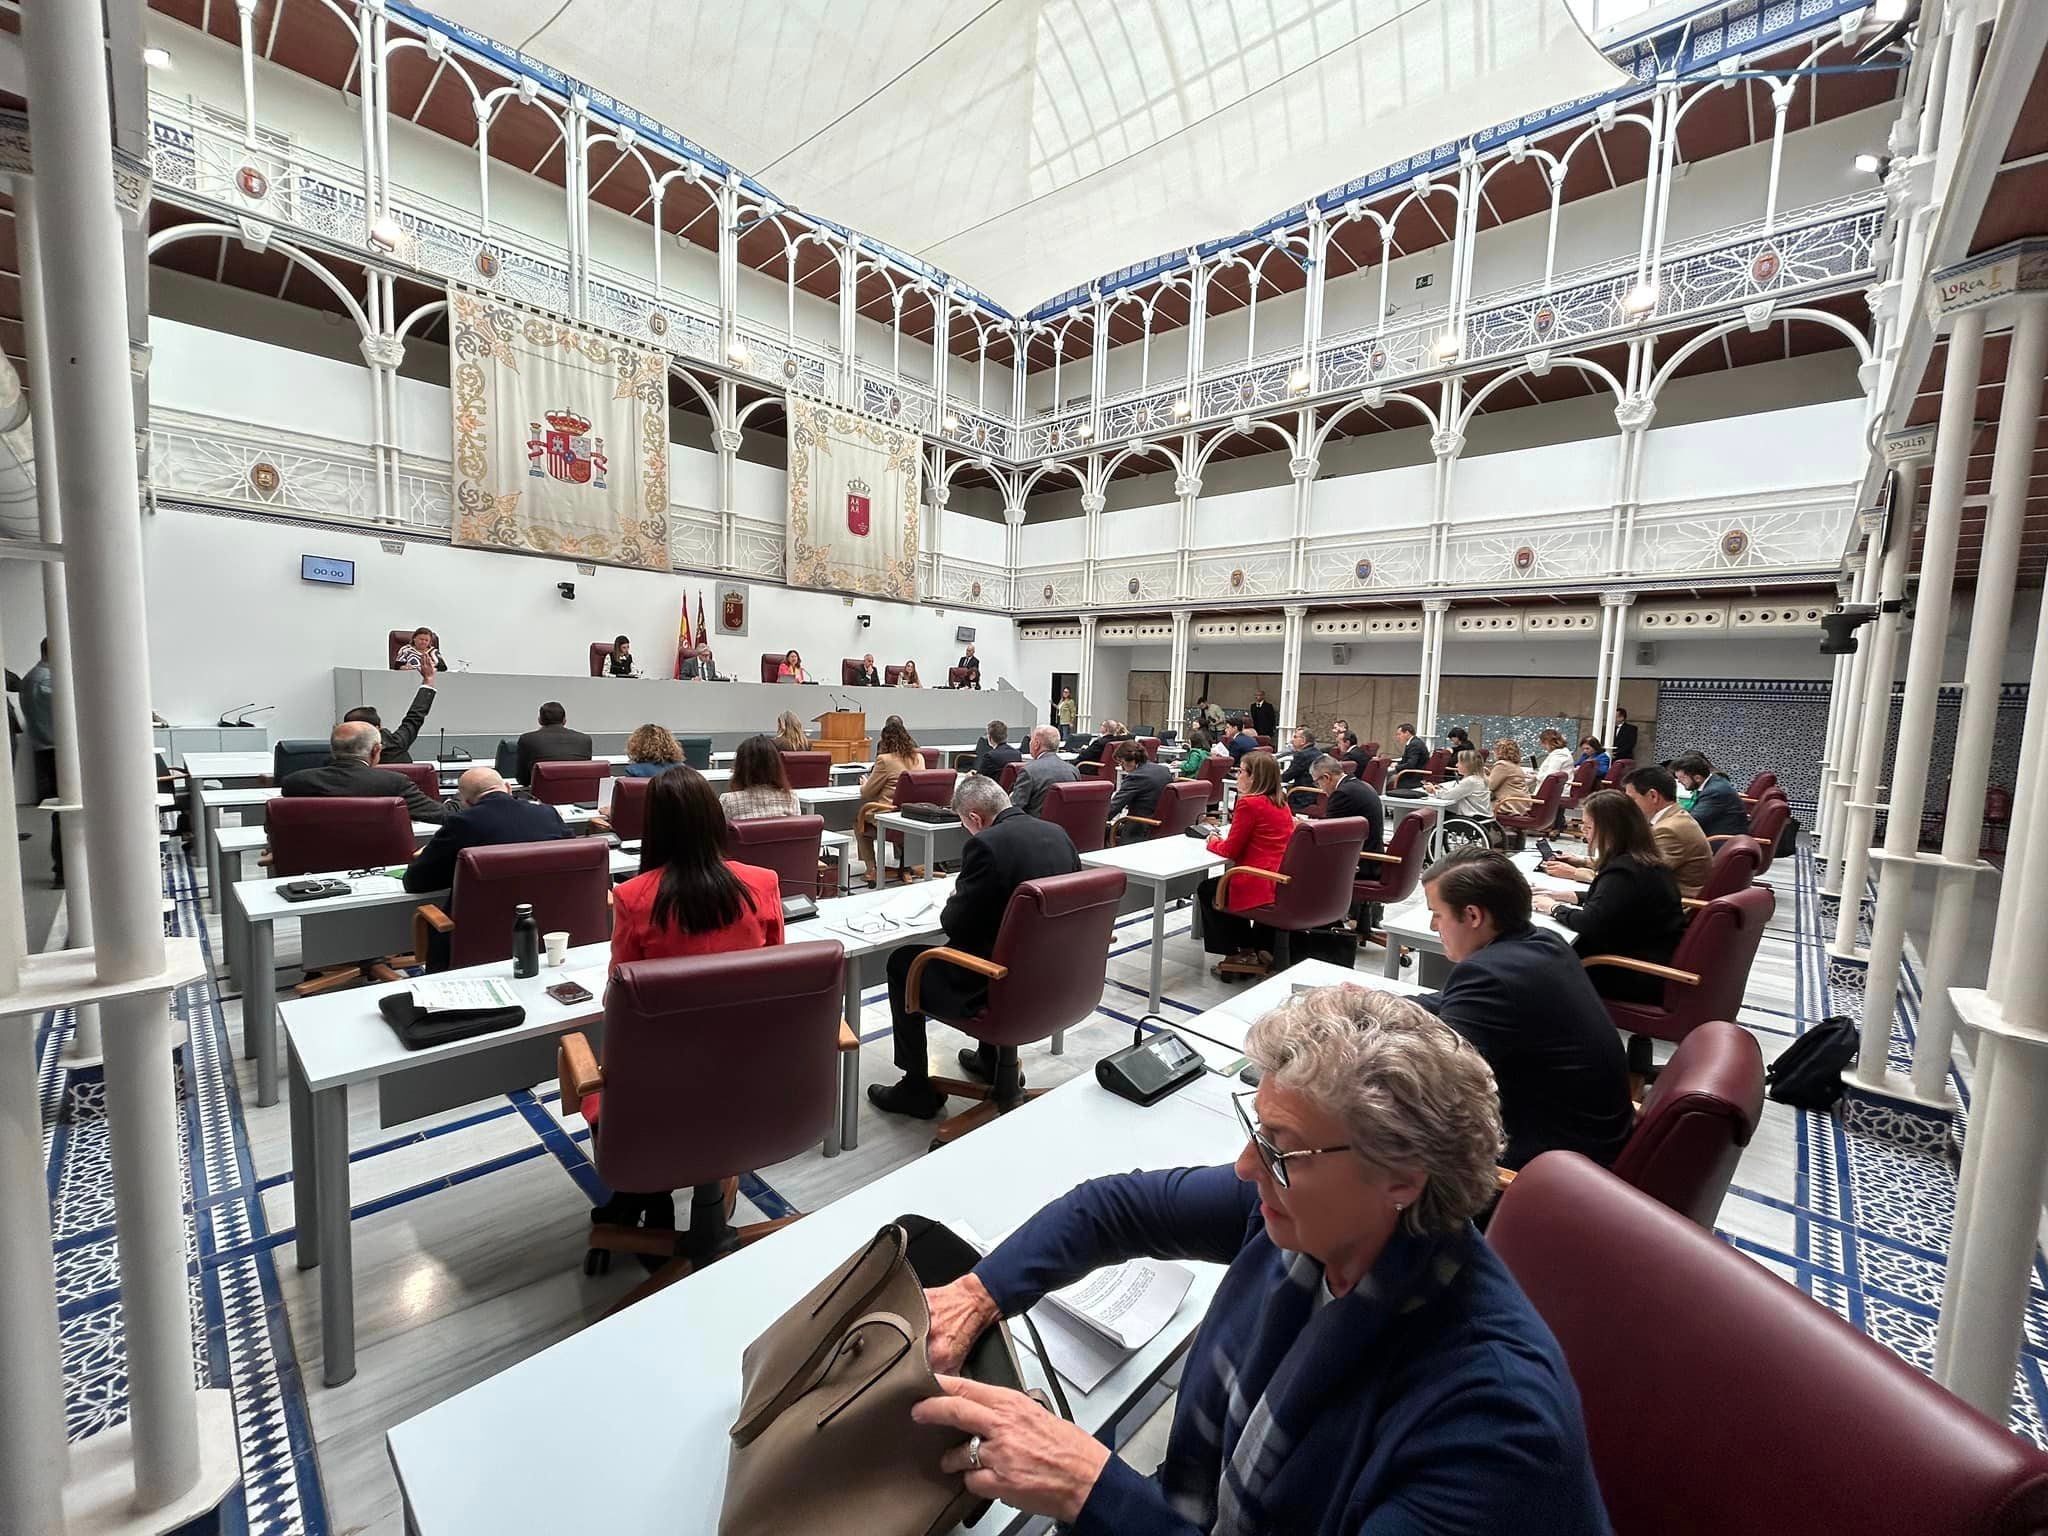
<point>169,237</point>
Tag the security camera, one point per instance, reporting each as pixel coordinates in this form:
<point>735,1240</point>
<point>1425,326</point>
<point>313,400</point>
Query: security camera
<point>865,619</point>
<point>1838,629</point>
<point>567,589</point>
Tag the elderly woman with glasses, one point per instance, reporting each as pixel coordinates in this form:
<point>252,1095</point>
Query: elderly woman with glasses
<point>1367,1366</point>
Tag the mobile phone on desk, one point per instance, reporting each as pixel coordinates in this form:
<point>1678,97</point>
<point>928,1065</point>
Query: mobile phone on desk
<point>570,993</point>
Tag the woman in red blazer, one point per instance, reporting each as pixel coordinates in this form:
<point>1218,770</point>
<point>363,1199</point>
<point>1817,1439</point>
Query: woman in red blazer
<point>1260,829</point>
<point>688,898</point>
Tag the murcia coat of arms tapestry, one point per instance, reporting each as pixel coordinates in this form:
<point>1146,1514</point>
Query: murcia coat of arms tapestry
<point>560,437</point>
<point>855,488</point>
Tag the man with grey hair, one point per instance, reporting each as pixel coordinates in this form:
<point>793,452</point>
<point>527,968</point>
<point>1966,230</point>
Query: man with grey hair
<point>1005,848</point>
<point>355,748</point>
<point>1044,767</point>
<point>489,816</point>
<point>1345,794</point>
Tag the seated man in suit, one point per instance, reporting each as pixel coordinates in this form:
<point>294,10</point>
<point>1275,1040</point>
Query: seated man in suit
<point>1005,848</point>
<point>1716,805</point>
<point>867,674</point>
<point>1680,842</point>
<point>357,747</point>
<point>1299,774</point>
<point>554,742</point>
<point>1043,767</point>
<point>1140,782</point>
<point>698,667</point>
<point>1352,751</point>
<point>1240,740</point>
<point>490,815</point>
<point>1521,997</point>
<point>1345,794</point>
<point>970,663</point>
<point>398,743</point>
<point>996,753</point>
<point>1405,777</point>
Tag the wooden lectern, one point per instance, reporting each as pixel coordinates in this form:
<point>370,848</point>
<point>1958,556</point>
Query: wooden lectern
<point>844,733</point>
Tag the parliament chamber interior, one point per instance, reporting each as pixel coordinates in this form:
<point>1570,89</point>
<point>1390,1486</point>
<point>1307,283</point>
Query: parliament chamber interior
<point>1243,767</point>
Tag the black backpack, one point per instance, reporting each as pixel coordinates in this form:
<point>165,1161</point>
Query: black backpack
<point>1788,839</point>
<point>1808,1072</point>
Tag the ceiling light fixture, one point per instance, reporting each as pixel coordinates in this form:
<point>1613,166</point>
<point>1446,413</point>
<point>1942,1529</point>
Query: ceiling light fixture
<point>386,233</point>
<point>1085,432</point>
<point>1447,347</point>
<point>1297,381</point>
<point>738,355</point>
<point>1182,410</point>
<point>951,422</point>
<point>156,58</point>
<point>1639,300</point>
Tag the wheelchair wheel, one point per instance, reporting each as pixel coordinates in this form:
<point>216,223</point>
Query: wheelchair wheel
<point>1454,833</point>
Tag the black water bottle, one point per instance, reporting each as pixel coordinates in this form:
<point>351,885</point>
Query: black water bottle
<point>525,942</point>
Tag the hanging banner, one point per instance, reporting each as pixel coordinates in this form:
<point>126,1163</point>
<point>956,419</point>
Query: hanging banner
<point>855,485</point>
<point>560,437</point>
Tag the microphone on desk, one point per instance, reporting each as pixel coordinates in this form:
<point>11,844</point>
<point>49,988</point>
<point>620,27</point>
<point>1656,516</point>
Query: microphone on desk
<point>441,754</point>
<point>241,713</point>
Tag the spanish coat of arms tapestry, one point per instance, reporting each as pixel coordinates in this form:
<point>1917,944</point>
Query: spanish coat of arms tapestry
<point>855,485</point>
<point>560,437</point>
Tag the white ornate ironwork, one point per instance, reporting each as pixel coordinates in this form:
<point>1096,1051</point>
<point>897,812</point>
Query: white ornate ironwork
<point>1137,581</point>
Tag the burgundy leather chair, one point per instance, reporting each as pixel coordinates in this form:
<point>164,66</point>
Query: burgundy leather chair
<point>1759,784</point>
<point>1180,806</point>
<point>1695,1120</point>
<point>1008,780</point>
<point>1372,749</point>
<point>600,656</point>
<point>398,641</point>
<point>786,844</point>
<point>1212,773</point>
<point>1602,1263</point>
<point>1397,871</point>
<point>921,786</point>
<point>1734,868</point>
<point>962,677</point>
<point>567,882</point>
<point>849,671</point>
<point>760,1024</point>
<point>1091,767</point>
<point>1081,807</point>
<point>1584,780</point>
<point>1410,781</point>
<point>628,814</point>
<point>567,783</point>
<point>807,770</point>
<point>1375,773</point>
<point>771,663</point>
<point>425,775</point>
<point>1708,973</point>
<point>1618,768</point>
<point>890,676</point>
<point>1439,764</point>
<point>1313,885</point>
<point>1151,746</point>
<point>319,834</point>
<point>1265,742</point>
<point>1766,823</point>
<point>1054,942</point>
<point>1538,816</point>
<point>931,756</point>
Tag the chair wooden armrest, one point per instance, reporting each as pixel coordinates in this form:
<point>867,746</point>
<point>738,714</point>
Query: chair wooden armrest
<point>426,920</point>
<point>1503,1177</point>
<point>577,1070</point>
<point>1691,903</point>
<point>1379,858</point>
<point>914,982</point>
<point>1722,837</point>
<point>1749,799</point>
<point>1223,881</point>
<point>1422,773</point>
<point>1646,967</point>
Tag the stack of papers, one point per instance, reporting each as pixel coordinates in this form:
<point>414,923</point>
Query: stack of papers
<point>449,995</point>
<point>1094,1325</point>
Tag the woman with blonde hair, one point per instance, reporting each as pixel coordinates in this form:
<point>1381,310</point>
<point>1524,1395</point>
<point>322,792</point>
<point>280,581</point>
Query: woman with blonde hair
<point>789,732</point>
<point>895,755</point>
<point>1367,1363</point>
<point>1467,794</point>
<point>1507,780</point>
<point>649,750</point>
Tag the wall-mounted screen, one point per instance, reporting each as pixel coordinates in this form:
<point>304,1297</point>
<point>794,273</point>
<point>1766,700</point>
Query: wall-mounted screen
<point>964,634</point>
<point>328,570</point>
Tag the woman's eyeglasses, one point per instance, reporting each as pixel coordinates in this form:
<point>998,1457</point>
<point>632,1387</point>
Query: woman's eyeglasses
<point>1275,1160</point>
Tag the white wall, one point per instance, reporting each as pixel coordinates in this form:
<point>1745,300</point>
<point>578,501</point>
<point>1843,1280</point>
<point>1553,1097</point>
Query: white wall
<point>230,621</point>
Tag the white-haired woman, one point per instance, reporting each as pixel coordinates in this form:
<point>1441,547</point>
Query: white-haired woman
<point>1368,1366</point>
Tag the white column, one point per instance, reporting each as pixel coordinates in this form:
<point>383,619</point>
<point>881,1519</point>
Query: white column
<point>1189,489</point>
<point>1084,695</point>
<point>1304,472</point>
<point>1091,534</point>
<point>1435,620</point>
<point>1848,731</point>
<point>93,408</point>
<point>1860,800</point>
<point>83,1049</point>
<point>1605,642</point>
<point>1177,670</point>
<point>1924,658</point>
<point>1618,603</point>
<point>1990,622</point>
<point>1290,668</point>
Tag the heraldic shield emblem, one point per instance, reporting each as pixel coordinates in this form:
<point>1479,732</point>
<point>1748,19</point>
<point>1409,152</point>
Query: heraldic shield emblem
<point>566,451</point>
<point>732,611</point>
<point>859,509</point>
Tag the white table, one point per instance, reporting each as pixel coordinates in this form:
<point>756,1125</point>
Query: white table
<point>838,804</point>
<point>1220,1033</point>
<point>207,807</point>
<point>1409,923</point>
<point>927,833</point>
<point>228,765</point>
<point>475,1465</point>
<point>232,847</point>
<point>1170,867</point>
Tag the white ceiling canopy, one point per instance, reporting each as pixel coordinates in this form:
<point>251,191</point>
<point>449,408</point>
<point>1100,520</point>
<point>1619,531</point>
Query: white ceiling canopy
<point>1028,146</point>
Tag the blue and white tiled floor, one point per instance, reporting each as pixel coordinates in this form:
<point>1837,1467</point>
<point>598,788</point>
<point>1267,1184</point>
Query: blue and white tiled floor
<point>468,1226</point>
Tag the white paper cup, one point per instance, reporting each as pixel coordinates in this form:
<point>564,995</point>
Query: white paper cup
<point>557,946</point>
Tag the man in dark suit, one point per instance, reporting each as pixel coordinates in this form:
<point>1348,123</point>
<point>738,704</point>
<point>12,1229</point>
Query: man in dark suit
<point>1140,783</point>
<point>1521,997</point>
<point>554,742</point>
<point>1352,751</point>
<point>698,667</point>
<point>489,816</point>
<point>357,747</point>
<point>970,663</point>
<point>1345,794</point>
<point>1005,848</point>
<point>1301,766</point>
<point>398,743</point>
<point>1715,804</point>
<point>867,674</point>
<point>1240,741</point>
<point>1265,718</point>
<point>1413,759</point>
<point>1624,736</point>
<point>996,753</point>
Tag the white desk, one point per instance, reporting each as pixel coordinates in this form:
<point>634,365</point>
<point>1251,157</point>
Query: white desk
<point>1409,923</point>
<point>837,804</point>
<point>927,833</point>
<point>1170,867</point>
<point>207,808</point>
<point>1219,1034</point>
<point>229,765</point>
<point>475,1465</point>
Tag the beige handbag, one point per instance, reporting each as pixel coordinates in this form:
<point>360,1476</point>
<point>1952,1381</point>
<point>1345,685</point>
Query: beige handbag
<point>824,1443</point>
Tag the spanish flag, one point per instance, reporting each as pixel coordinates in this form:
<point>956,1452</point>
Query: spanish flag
<point>683,646</point>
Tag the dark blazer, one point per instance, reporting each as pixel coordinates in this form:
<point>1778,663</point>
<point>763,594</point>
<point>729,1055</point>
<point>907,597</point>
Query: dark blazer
<point>1529,1008</point>
<point>867,677</point>
<point>1358,757</point>
<point>496,818</point>
<point>398,743</point>
<point>1265,719</point>
<point>1414,755</point>
<point>1630,909</point>
<point>549,744</point>
<point>1139,790</point>
<point>971,663</point>
<point>990,761</point>
<point>1241,743</point>
<point>340,779</point>
<point>1624,740</point>
<point>693,671</point>
<point>1013,848</point>
<point>1299,766</point>
<point>1718,808</point>
<point>1355,797</point>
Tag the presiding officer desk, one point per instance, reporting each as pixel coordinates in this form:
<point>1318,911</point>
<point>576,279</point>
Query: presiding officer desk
<point>477,709</point>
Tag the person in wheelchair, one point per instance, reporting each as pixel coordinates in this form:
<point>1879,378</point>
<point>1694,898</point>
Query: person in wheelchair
<point>1468,810</point>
